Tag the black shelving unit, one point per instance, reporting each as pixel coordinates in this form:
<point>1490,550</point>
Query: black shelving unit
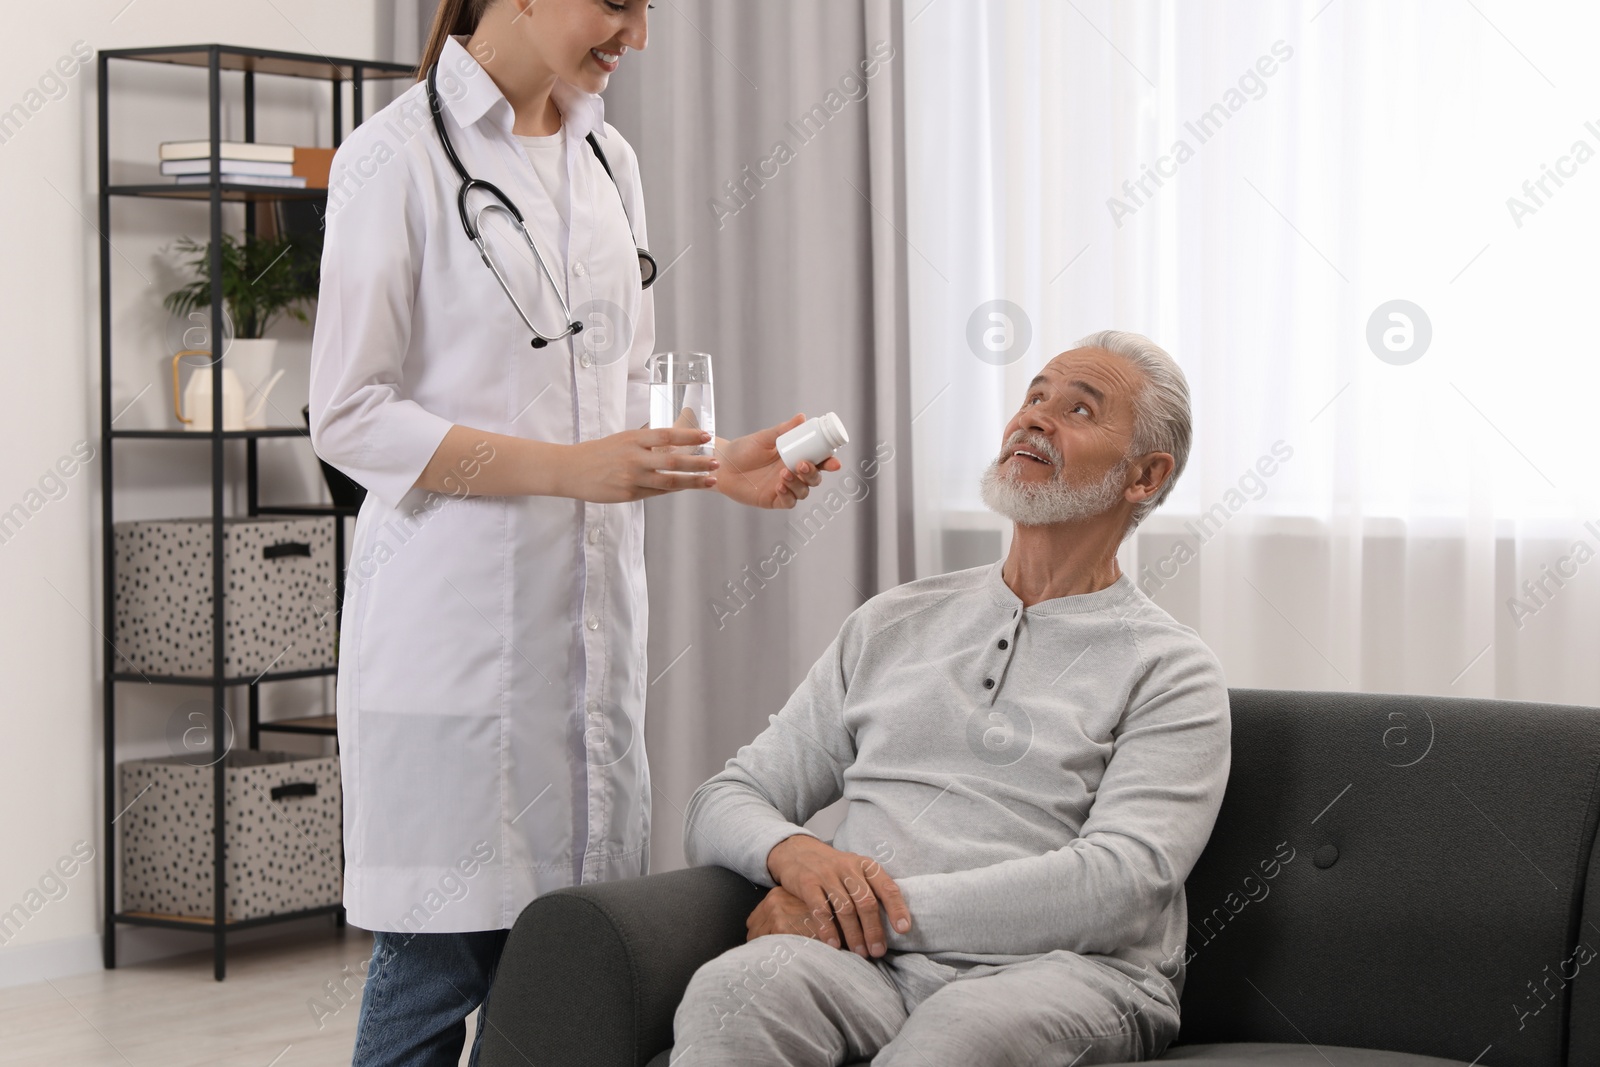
<point>215,60</point>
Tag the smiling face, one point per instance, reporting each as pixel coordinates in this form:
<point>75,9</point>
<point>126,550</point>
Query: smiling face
<point>1065,452</point>
<point>582,41</point>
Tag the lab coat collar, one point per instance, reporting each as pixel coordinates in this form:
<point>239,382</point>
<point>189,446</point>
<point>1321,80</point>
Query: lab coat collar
<point>581,112</point>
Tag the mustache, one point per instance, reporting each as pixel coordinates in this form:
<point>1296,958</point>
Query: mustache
<point>1033,442</point>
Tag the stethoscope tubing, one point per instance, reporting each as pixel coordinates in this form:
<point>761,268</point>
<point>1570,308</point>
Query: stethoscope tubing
<point>471,223</point>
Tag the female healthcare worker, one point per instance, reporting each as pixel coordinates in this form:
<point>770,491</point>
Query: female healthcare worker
<point>491,685</point>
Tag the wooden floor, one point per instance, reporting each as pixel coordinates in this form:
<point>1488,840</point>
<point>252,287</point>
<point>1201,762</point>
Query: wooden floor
<point>171,1013</point>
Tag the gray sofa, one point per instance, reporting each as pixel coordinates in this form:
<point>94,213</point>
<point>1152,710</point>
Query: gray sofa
<point>1441,904</point>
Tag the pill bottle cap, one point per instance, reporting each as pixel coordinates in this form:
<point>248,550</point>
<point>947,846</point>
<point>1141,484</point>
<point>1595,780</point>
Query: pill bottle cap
<point>833,432</point>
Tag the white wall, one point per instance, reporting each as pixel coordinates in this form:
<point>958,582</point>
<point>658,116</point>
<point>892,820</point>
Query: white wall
<point>50,653</point>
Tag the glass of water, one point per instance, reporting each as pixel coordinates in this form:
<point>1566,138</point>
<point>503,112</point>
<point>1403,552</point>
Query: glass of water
<point>680,395</point>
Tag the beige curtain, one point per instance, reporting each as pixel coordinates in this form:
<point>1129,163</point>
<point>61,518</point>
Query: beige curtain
<point>768,136</point>
<point>769,140</point>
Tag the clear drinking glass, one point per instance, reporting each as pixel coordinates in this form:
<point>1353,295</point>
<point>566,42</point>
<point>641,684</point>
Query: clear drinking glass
<point>680,395</point>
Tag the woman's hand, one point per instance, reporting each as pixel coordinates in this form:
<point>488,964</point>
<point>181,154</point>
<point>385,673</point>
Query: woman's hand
<point>757,477</point>
<point>781,912</point>
<point>628,465</point>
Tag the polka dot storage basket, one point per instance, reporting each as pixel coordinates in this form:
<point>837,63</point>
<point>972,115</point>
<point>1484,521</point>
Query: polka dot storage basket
<point>282,833</point>
<point>278,608</point>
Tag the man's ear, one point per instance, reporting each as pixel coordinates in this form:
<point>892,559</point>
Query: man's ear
<point>1154,470</point>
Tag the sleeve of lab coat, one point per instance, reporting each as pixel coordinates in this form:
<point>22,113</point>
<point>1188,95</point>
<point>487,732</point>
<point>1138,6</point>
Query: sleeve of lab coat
<point>361,419</point>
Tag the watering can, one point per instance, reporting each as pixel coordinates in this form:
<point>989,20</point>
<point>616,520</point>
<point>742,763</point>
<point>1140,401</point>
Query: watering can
<point>196,397</point>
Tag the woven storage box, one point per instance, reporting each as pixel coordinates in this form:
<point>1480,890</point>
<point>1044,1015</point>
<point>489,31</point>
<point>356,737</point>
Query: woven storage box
<point>282,828</point>
<point>278,608</point>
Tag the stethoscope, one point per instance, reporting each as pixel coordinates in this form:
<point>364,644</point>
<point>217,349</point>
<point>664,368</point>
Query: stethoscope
<point>470,223</point>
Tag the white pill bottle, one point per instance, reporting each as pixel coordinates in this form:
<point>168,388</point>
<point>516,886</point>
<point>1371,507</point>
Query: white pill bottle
<point>813,441</point>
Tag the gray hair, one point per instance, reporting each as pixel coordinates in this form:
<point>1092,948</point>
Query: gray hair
<point>1161,418</point>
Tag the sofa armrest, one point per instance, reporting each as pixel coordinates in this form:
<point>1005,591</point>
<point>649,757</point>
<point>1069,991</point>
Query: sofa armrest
<point>592,975</point>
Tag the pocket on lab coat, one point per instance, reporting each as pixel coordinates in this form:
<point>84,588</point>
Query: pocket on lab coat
<point>433,610</point>
<point>431,788</point>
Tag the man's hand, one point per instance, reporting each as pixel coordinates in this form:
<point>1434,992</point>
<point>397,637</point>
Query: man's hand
<point>781,912</point>
<point>753,474</point>
<point>848,885</point>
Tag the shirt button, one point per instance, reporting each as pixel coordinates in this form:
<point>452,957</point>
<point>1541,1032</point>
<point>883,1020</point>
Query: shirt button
<point>988,683</point>
<point>579,269</point>
<point>1004,643</point>
<point>594,536</point>
<point>592,622</point>
<point>585,360</point>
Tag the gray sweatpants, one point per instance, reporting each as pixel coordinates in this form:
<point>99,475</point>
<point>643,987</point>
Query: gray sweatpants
<point>791,1001</point>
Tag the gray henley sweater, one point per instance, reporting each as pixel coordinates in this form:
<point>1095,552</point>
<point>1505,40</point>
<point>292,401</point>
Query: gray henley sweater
<point>1033,778</point>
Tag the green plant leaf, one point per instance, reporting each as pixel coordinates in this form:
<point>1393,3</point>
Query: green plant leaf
<point>262,279</point>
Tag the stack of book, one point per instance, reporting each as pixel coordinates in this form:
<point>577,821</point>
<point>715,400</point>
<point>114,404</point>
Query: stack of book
<point>247,163</point>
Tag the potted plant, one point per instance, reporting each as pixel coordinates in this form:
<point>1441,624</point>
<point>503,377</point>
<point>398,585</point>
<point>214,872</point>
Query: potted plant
<point>263,279</point>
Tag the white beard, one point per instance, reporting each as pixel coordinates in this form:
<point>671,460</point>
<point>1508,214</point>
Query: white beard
<point>1055,501</point>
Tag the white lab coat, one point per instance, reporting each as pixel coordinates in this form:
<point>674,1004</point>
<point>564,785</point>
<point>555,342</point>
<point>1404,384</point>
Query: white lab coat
<point>491,683</point>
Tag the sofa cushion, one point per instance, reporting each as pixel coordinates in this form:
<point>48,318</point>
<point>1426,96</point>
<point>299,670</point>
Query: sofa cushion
<point>1398,872</point>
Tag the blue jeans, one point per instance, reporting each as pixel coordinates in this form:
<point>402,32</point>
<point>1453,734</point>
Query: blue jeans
<point>420,989</point>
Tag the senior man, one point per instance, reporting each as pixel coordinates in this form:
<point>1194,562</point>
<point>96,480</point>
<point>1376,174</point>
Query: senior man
<point>1033,755</point>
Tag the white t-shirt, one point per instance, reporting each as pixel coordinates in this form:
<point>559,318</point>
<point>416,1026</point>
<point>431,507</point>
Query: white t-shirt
<point>548,154</point>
